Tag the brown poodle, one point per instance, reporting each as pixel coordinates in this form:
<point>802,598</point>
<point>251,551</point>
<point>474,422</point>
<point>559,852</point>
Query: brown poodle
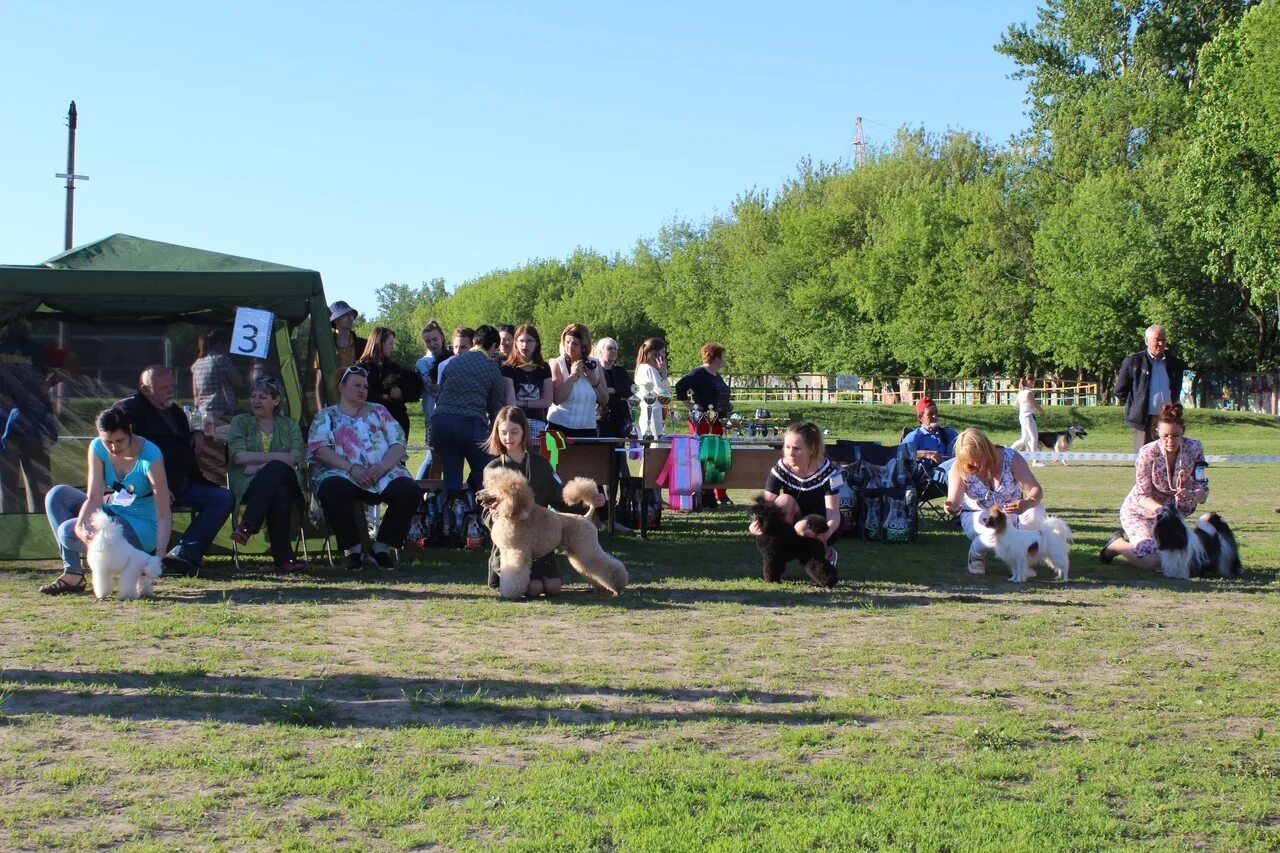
<point>522,530</point>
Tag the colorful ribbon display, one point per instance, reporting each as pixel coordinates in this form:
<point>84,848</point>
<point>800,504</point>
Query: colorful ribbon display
<point>682,473</point>
<point>716,456</point>
<point>553,441</point>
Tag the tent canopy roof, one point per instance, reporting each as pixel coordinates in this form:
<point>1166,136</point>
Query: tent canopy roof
<point>125,278</point>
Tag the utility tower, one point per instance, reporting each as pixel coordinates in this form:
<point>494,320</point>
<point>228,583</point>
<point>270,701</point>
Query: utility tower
<point>859,144</point>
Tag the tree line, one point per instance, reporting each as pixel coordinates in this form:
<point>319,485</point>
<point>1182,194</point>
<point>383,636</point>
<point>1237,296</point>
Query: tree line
<point>1146,189</point>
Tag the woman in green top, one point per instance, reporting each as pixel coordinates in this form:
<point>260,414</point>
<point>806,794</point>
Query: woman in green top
<point>509,442</point>
<point>266,449</point>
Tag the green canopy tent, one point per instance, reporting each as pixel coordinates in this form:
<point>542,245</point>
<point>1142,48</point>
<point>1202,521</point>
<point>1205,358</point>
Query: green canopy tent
<point>146,286</point>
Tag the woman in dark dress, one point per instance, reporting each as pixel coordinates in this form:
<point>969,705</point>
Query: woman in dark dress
<point>390,385</point>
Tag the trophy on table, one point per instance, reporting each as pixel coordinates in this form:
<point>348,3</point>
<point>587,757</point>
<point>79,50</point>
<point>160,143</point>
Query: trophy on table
<point>695,413</point>
<point>633,403</point>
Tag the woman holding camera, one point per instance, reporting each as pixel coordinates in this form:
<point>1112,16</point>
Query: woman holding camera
<point>577,385</point>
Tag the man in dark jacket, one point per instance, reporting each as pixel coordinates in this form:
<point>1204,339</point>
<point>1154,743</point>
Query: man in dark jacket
<point>158,419</point>
<point>1147,380</point>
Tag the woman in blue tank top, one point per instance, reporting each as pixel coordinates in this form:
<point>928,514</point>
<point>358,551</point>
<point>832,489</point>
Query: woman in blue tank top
<point>126,480</point>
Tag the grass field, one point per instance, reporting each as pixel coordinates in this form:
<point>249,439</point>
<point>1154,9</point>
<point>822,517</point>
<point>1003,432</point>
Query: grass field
<point>914,707</point>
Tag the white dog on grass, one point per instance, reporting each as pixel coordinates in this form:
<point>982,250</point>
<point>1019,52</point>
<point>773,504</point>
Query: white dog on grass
<point>110,555</point>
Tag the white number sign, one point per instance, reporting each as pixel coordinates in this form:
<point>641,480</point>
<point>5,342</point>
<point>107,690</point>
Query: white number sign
<point>252,335</point>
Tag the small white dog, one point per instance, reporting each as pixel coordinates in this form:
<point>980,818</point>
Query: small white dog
<point>112,556</point>
<point>1021,548</point>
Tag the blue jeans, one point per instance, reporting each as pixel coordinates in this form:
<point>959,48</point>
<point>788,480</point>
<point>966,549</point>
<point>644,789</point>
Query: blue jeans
<point>455,438</point>
<point>213,506</point>
<point>62,507</point>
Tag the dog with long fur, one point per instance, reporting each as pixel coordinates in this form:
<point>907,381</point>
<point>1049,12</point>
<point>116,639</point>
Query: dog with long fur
<point>1206,548</point>
<point>779,544</point>
<point>522,530</point>
<point>1021,548</point>
<point>110,556</point>
<point>1060,442</point>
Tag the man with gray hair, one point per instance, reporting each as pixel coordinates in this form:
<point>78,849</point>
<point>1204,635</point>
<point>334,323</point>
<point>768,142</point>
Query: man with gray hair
<point>1146,381</point>
<point>158,419</point>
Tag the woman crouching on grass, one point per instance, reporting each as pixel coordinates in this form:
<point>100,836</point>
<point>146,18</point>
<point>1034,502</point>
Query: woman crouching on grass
<point>804,482</point>
<point>509,443</point>
<point>985,476</point>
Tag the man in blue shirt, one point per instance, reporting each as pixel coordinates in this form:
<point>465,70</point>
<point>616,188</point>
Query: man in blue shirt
<point>933,444</point>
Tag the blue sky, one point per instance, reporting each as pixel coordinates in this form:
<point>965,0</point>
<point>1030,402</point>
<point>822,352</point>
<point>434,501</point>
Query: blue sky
<point>385,141</point>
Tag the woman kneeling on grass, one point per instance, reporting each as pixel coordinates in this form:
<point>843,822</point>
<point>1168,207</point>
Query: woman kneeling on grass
<point>986,476</point>
<point>509,442</point>
<point>801,484</point>
<point>1164,474</point>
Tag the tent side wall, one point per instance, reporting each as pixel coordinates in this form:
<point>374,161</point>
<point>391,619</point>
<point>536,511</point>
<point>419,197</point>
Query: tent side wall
<point>151,299</point>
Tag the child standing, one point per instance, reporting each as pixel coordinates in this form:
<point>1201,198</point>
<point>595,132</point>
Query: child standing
<point>509,442</point>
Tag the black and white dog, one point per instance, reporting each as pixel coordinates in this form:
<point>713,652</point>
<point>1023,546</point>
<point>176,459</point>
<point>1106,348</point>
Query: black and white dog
<point>1060,442</point>
<point>1206,548</point>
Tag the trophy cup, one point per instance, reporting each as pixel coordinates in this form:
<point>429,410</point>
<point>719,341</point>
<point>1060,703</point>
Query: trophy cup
<point>695,413</point>
<point>735,420</point>
<point>633,403</point>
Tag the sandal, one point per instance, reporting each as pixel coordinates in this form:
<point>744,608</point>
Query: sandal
<point>293,566</point>
<point>61,587</point>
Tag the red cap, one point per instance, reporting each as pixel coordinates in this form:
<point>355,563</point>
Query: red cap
<point>922,404</point>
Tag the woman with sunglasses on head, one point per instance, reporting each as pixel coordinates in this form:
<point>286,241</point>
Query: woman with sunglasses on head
<point>126,480</point>
<point>577,385</point>
<point>265,449</point>
<point>1169,470</point>
<point>357,453</point>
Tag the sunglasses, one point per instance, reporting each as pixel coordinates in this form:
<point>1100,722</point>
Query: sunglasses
<point>356,369</point>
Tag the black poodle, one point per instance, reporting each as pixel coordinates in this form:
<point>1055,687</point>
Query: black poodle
<point>780,544</point>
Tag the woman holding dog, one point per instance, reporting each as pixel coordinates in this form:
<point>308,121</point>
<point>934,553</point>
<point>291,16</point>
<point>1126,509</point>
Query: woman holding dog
<point>1164,474</point>
<point>509,445</point>
<point>985,476</point>
<point>266,451</point>
<point>125,476</point>
<point>804,482</point>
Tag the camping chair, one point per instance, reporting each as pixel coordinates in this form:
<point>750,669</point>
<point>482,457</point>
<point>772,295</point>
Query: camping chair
<point>931,485</point>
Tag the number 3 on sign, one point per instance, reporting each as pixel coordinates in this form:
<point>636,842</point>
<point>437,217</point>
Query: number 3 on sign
<point>252,335</point>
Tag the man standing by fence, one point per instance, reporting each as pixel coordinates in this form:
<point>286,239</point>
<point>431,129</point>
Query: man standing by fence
<point>1146,381</point>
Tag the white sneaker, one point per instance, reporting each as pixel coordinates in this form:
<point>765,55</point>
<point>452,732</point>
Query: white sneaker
<point>977,566</point>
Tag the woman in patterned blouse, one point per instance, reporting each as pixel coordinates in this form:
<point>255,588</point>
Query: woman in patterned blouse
<point>1164,475</point>
<point>357,453</point>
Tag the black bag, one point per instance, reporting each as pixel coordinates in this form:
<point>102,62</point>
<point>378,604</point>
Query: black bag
<point>850,505</point>
<point>628,511</point>
<point>899,514</point>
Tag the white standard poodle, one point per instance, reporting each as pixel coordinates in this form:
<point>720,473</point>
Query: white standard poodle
<point>522,530</point>
<point>111,556</point>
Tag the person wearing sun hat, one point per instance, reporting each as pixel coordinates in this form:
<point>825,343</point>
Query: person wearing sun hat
<point>342,317</point>
<point>933,444</point>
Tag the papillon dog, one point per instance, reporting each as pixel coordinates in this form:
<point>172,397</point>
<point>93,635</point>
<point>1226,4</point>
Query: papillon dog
<point>1022,548</point>
<point>1206,548</point>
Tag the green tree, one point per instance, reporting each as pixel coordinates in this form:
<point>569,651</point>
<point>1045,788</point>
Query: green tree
<point>1232,168</point>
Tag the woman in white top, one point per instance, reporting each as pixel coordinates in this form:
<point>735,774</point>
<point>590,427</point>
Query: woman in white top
<point>1028,408</point>
<point>651,374</point>
<point>577,385</point>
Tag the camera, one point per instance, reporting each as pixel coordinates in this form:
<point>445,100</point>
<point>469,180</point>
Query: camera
<point>591,363</point>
